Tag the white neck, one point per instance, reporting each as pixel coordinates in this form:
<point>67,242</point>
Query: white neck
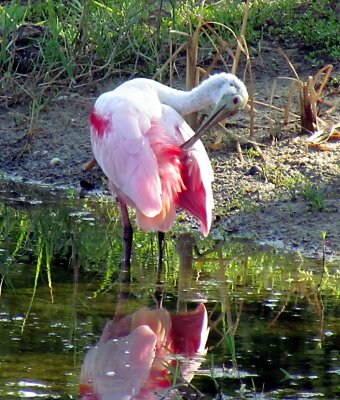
<point>202,96</point>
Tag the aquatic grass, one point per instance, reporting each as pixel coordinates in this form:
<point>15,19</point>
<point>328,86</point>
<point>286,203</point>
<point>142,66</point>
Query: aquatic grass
<point>225,318</point>
<point>24,232</point>
<point>35,284</point>
<point>65,235</point>
<point>65,238</point>
<point>228,276</point>
<point>52,234</point>
<point>47,235</point>
<point>213,375</point>
<point>14,240</point>
<point>260,269</point>
<point>325,271</point>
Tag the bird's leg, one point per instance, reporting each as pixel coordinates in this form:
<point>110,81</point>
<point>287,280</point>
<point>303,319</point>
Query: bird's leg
<point>161,242</point>
<point>128,237</point>
<point>160,283</point>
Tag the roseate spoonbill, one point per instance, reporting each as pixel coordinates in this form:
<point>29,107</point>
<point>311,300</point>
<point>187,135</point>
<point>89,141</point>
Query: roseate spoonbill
<point>141,142</point>
<point>137,354</point>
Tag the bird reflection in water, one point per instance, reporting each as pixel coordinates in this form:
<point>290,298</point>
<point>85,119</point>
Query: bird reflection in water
<point>142,355</point>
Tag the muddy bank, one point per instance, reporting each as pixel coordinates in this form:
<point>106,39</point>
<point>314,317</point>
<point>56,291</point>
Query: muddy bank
<point>264,198</point>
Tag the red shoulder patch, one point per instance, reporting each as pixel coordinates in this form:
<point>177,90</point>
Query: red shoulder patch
<point>99,124</point>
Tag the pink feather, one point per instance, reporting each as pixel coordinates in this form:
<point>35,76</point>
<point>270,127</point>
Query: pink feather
<point>140,154</point>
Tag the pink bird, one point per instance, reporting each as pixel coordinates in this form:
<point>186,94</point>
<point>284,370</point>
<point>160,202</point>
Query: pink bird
<point>137,355</point>
<point>141,142</point>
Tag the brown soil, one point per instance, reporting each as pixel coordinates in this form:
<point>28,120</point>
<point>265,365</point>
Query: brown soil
<point>263,199</point>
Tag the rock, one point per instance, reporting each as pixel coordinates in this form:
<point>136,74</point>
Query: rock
<point>56,161</point>
<point>255,170</point>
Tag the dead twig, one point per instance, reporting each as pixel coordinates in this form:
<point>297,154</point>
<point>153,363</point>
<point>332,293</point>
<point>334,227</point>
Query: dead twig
<point>221,48</point>
<point>310,96</point>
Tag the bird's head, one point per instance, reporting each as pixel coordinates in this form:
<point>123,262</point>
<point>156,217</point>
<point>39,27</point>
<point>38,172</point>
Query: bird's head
<point>231,96</point>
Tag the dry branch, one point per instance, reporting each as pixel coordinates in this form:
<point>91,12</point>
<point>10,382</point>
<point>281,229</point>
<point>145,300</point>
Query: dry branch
<point>310,96</point>
<point>221,48</point>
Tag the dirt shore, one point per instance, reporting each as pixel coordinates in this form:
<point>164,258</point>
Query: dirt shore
<point>286,197</point>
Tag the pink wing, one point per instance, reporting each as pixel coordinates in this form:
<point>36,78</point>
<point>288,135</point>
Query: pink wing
<point>124,154</point>
<point>197,174</point>
<point>189,332</point>
<point>117,369</point>
<point>197,199</point>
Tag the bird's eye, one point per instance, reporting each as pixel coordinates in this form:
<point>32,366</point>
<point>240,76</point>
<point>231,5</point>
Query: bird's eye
<point>235,100</point>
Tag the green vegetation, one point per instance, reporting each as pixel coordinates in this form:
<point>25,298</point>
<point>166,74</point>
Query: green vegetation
<point>58,234</point>
<point>73,43</point>
<point>295,184</point>
<point>312,23</point>
<point>315,197</point>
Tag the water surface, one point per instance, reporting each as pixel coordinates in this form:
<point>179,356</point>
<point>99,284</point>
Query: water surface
<point>273,316</point>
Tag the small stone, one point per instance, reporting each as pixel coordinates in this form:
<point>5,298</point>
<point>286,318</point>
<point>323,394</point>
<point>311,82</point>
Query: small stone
<point>39,153</point>
<point>255,170</point>
<point>55,161</point>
